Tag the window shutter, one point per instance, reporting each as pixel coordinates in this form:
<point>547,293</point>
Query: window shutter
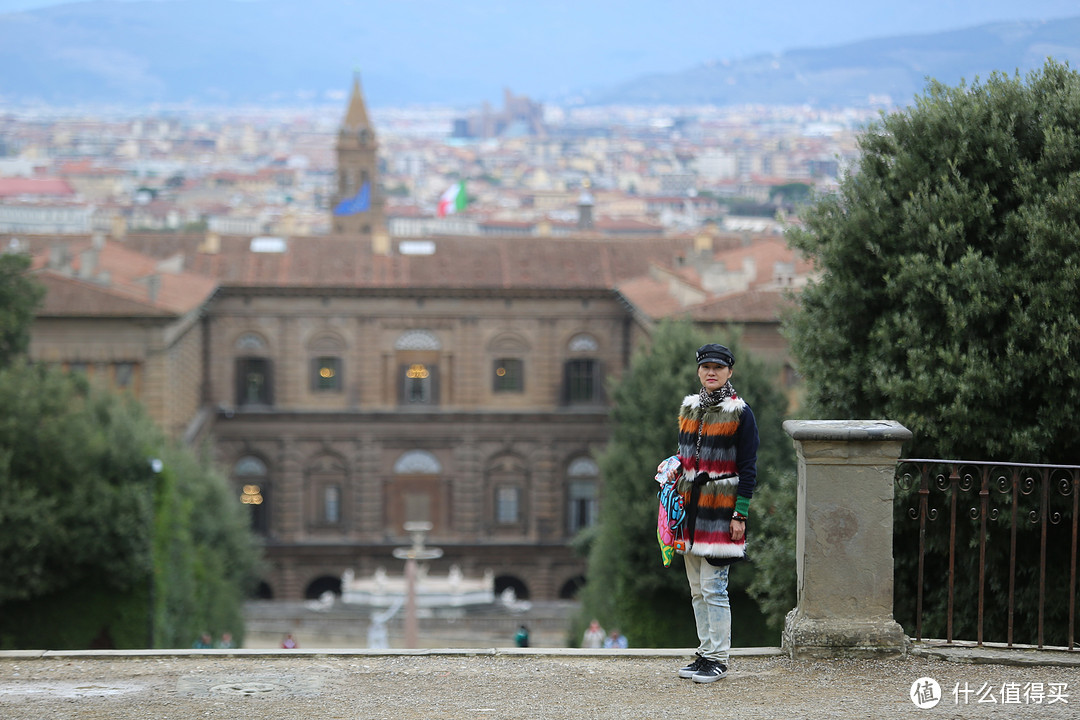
<point>434,378</point>
<point>268,388</point>
<point>240,379</point>
<point>566,383</point>
<point>598,382</point>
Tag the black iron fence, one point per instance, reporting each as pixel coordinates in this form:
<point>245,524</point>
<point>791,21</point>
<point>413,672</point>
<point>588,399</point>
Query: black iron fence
<point>995,556</point>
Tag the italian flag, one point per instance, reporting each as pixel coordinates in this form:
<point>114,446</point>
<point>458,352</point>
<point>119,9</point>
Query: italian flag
<point>453,200</point>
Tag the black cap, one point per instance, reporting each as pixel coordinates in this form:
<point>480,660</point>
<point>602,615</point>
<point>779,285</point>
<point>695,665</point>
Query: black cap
<point>713,353</point>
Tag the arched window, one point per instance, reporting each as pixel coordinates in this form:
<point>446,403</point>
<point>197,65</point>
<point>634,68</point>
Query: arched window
<point>508,352</point>
<point>251,342</point>
<point>254,376</point>
<point>252,479</point>
<point>582,493</point>
<point>582,380</point>
<point>417,493</point>
<point>507,480</point>
<point>583,343</point>
<point>417,462</point>
<point>325,363</point>
<point>417,340</point>
<point>417,353</point>
<point>325,488</point>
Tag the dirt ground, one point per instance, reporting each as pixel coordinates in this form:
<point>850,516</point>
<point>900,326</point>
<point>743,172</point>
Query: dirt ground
<point>519,684</point>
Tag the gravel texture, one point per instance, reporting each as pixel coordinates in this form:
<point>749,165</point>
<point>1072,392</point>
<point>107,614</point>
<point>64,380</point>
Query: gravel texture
<point>518,685</point>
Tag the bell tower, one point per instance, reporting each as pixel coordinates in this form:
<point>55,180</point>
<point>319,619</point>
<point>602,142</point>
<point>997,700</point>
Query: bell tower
<point>356,205</point>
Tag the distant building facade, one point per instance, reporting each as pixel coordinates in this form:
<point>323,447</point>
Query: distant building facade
<point>355,411</point>
<point>351,383</point>
<point>519,117</point>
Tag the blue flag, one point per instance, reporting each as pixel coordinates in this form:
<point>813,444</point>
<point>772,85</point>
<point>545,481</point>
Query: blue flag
<point>358,203</point>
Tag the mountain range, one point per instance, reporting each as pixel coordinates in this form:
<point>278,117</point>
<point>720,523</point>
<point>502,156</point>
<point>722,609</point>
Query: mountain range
<point>282,52</point>
<point>894,68</point>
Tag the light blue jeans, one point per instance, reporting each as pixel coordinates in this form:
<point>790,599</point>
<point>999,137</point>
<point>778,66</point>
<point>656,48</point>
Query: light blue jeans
<point>712,609</point>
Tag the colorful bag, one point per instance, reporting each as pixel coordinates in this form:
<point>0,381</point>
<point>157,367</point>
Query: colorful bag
<point>671,515</point>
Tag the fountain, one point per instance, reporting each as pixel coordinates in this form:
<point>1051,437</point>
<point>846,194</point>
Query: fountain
<point>417,588</point>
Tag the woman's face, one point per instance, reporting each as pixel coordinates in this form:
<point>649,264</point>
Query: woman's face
<point>713,375</point>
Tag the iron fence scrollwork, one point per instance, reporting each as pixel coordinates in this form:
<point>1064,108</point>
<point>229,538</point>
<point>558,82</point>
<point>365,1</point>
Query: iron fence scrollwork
<point>1036,503</point>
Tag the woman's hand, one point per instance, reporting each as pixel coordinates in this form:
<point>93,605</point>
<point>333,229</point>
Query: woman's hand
<point>738,529</point>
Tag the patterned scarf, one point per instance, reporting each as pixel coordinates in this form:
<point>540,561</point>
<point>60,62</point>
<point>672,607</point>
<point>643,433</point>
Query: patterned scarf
<point>709,399</point>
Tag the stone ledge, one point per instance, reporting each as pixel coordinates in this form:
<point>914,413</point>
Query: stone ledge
<point>364,652</point>
<point>847,430</point>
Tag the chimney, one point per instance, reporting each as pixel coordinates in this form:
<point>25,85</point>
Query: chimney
<point>211,244</point>
<point>88,262</point>
<point>118,227</point>
<point>585,208</point>
<point>703,243</point>
<point>153,286</point>
<point>380,242</point>
<point>59,260</point>
<point>705,240</point>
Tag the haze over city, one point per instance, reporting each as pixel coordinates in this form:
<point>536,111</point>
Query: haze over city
<point>424,52</point>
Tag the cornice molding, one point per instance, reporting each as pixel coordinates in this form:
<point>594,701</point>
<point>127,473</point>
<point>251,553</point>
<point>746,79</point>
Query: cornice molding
<point>412,293</point>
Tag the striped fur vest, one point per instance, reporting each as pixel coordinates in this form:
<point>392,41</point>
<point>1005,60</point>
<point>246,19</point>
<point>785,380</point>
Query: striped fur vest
<point>710,476</point>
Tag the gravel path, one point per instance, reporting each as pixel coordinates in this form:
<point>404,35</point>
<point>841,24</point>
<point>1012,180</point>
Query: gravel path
<point>516,685</point>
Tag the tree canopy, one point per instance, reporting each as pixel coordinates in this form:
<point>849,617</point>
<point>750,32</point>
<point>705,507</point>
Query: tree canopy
<point>19,298</point>
<point>627,585</point>
<point>949,273</point>
<point>89,520</point>
<point>111,536</point>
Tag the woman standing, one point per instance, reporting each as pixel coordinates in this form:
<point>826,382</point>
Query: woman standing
<point>718,442</point>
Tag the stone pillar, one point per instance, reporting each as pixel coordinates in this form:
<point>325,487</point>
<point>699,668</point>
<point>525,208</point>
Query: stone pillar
<point>844,538</point>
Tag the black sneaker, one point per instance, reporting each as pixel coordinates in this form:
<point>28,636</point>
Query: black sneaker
<point>710,671</point>
<point>690,670</point>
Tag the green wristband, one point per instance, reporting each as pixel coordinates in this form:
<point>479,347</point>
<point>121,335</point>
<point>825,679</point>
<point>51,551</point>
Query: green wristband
<point>742,505</point>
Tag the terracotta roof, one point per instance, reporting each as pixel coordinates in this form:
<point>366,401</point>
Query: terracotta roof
<point>87,168</point>
<point>69,296</point>
<point>766,251</point>
<point>457,262</point>
<point>666,291</point>
<point>652,296</point>
<point>51,187</point>
<point>117,281</point>
<point>617,224</point>
<point>749,306</point>
<point>642,271</point>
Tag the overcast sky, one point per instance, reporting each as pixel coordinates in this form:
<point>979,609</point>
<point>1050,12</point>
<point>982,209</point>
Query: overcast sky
<point>740,27</point>
<point>548,48</point>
